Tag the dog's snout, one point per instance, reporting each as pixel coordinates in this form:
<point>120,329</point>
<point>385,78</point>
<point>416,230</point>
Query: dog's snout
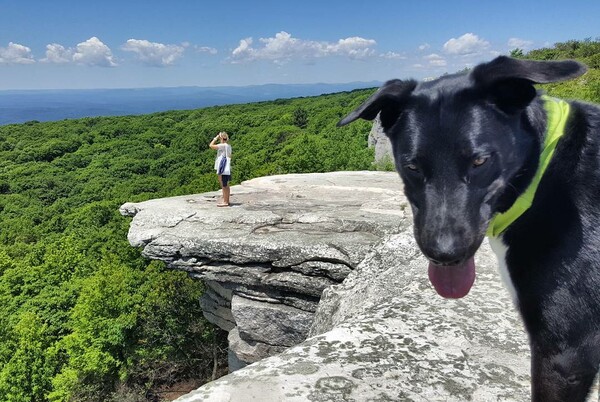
<point>444,250</point>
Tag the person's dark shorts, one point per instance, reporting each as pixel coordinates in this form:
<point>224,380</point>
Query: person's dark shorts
<point>225,179</point>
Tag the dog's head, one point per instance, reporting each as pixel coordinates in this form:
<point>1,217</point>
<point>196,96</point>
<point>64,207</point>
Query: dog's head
<point>465,145</point>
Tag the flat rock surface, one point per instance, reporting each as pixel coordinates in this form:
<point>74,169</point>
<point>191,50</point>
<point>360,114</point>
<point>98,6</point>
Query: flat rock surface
<point>281,220</point>
<point>380,334</point>
<point>385,335</point>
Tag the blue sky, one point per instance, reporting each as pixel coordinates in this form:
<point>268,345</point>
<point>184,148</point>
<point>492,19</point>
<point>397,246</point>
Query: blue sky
<point>129,44</point>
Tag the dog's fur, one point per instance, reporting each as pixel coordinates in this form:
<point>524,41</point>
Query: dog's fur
<point>466,146</point>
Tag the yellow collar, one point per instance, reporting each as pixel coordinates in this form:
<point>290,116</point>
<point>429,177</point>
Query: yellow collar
<point>557,112</point>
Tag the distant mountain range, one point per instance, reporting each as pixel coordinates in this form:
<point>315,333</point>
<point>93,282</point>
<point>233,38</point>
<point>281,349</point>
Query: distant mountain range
<point>19,106</point>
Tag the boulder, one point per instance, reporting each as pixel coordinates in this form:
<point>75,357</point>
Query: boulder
<point>381,144</point>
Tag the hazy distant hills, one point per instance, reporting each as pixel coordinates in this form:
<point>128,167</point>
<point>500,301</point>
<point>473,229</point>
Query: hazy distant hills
<point>47,105</point>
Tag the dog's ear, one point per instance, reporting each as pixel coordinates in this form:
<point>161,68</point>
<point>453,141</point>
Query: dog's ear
<point>538,72</point>
<point>388,100</point>
<point>510,81</point>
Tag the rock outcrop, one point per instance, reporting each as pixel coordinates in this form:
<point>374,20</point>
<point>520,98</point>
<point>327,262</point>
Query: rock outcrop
<point>381,144</point>
<point>267,259</point>
<point>382,333</point>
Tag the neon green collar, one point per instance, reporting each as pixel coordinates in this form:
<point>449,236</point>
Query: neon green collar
<point>557,112</point>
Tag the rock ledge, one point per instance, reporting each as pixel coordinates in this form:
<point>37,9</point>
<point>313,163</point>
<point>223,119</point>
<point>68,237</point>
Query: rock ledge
<point>331,257</point>
<point>267,259</point>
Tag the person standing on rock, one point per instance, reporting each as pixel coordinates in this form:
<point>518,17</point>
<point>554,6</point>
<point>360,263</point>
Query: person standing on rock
<point>223,165</point>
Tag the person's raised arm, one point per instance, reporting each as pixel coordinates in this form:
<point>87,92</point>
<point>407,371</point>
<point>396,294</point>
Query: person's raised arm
<point>212,144</point>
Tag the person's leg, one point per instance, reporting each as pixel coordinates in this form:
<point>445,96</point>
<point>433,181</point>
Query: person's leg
<point>226,189</point>
<point>224,180</point>
<point>226,192</point>
<point>223,191</point>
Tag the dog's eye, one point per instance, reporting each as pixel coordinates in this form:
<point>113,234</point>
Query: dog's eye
<point>411,167</point>
<point>480,161</point>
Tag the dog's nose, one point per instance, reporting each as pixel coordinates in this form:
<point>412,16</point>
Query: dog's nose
<point>443,246</point>
<point>440,255</point>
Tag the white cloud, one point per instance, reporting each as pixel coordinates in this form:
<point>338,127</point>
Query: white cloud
<point>15,54</point>
<point>152,53</point>
<point>244,50</point>
<point>56,53</point>
<point>93,52</point>
<point>436,60</point>
<point>424,46</point>
<point>354,47</point>
<point>466,45</point>
<point>283,47</point>
<point>205,49</point>
<point>392,56</point>
<point>514,43</point>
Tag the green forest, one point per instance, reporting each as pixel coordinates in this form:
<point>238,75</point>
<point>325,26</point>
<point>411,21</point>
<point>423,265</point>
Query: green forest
<point>83,317</point>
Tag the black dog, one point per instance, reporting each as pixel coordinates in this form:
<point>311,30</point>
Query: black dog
<point>484,152</point>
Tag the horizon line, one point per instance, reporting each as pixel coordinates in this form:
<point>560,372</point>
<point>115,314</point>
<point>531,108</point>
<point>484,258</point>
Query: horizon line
<point>377,82</point>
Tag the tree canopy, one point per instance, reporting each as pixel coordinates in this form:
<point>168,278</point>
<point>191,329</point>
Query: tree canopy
<point>82,315</point>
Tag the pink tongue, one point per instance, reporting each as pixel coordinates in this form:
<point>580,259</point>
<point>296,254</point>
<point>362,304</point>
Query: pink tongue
<point>453,281</point>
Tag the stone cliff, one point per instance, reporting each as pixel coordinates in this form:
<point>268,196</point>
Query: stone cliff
<point>330,257</point>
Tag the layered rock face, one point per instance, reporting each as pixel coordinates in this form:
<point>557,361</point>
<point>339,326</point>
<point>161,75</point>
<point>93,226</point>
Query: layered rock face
<point>275,265</point>
<point>267,259</point>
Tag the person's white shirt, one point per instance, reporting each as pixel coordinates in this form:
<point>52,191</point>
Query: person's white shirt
<point>222,149</point>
